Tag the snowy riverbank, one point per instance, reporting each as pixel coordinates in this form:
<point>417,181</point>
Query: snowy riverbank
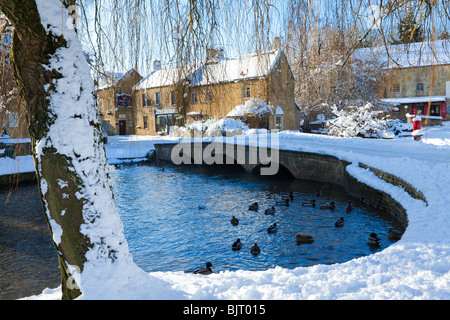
<point>416,267</point>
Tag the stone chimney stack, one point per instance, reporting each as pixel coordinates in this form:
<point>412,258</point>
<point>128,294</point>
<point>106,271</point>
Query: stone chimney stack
<point>276,45</point>
<point>156,65</point>
<point>214,54</point>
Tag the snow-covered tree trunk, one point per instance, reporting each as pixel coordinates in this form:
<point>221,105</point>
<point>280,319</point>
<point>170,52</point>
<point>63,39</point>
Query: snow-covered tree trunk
<point>54,78</point>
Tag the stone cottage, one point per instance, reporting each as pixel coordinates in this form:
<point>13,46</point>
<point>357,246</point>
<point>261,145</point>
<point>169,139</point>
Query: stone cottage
<point>115,103</point>
<point>418,79</point>
<point>213,88</point>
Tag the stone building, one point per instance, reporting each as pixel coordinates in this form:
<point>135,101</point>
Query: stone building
<point>114,100</point>
<point>418,80</point>
<point>212,89</point>
<point>12,107</point>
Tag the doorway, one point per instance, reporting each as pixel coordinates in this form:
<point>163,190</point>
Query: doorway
<point>122,127</point>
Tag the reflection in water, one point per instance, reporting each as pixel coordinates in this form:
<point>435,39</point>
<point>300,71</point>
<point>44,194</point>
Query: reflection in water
<point>28,262</point>
<point>179,218</point>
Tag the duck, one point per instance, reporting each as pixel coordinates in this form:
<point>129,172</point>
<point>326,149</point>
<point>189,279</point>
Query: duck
<point>283,203</point>
<point>201,207</point>
<point>272,228</point>
<point>270,210</point>
<point>234,221</point>
<point>339,222</point>
<point>290,196</point>
<point>373,239</point>
<point>302,238</point>
<point>237,245</point>
<point>394,235</point>
<point>349,207</point>
<point>330,206</point>
<point>253,207</point>
<point>205,270</point>
<point>318,193</point>
<point>255,250</point>
<point>309,203</point>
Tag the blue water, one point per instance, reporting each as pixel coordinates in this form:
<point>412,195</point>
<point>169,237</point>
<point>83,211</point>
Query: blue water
<point>166,230</point>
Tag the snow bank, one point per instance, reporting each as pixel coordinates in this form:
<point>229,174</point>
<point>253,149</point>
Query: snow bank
<point>20,164</point>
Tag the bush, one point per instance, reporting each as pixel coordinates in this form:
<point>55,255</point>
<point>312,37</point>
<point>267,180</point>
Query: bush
<point>359,121</point>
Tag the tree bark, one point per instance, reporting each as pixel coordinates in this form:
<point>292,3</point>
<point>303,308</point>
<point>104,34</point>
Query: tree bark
<point>72,180</point>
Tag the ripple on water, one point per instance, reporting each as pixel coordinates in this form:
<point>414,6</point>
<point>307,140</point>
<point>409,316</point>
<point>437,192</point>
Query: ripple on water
<point>173,233</point>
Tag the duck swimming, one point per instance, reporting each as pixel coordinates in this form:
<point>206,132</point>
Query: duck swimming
<point>373,239</point>
<point>255,250</point>
<point>339,223</point>
<point>234,221</point>
<point>270,211</point>
<point>302,238</point>
<point>204,270</point>
<point>283,203</point>
<point>253,207</point>
<point>237,245</point>
<point>309,203</point>
<point>330,206</point>
<point>272,228</point>
<point>318,193</point>
<point>349,207</point>
<point>289,197</point>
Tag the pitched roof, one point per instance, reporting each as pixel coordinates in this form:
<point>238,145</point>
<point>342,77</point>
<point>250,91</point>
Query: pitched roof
<point>112,78</point>
<point>224,70</point>
<point>419,54</point>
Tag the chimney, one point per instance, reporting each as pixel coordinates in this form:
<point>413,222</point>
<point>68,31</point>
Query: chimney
<point>276,45</point>
<point>156,65</point>
<point>214,54</point>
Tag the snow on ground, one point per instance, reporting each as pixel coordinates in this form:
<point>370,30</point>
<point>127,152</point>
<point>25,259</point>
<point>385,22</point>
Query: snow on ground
<point>416,267</point>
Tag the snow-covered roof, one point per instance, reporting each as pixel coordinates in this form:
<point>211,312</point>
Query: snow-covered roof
<point>165,77</point>
<point>111,78</point>
<point>408,100</point>
<point>419,54</point>
<point>225,70</point>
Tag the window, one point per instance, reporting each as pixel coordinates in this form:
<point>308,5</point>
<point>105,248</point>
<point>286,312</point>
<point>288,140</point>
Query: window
<point>279,123</point>
<point>395,88</point>
<point>164,122</point>
<point>245,92</point>
<point>435,110</point>
<point>109,105</point>
<point>145,122</point>
<point>194,98</point>
<point>158,98</point>
<point>101,106</point>
<point>173,97</point>
<point>13,119</point>
<point>144,100</point>
<point>419,87</point>
<point>208,96</point>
